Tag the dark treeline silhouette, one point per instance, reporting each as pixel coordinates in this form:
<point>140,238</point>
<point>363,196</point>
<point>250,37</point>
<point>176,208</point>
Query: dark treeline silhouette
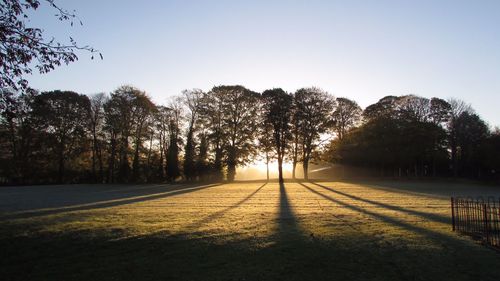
<point>416,136</point>
<point>65,137</point>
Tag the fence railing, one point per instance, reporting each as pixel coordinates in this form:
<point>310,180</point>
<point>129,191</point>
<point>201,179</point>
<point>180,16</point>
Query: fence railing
<point>477,217</point>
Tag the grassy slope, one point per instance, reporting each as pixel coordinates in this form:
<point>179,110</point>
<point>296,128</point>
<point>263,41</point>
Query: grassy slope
<point>240,231</point>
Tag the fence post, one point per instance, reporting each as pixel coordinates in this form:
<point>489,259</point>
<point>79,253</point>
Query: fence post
<point>452,214</point>
<point>486,228</point>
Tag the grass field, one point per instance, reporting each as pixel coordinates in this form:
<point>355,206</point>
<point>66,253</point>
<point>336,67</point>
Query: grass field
<point>240,231</point>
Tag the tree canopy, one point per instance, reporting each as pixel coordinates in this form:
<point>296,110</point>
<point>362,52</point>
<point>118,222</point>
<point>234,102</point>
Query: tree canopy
<point>63,136</point>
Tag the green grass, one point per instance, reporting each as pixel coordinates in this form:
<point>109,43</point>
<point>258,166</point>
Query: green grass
<point>239,231</point>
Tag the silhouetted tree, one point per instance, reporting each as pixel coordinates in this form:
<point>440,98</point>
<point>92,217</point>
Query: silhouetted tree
<point>470,132</point>
<point>278,114</point>
<point>212,114</point>
<point>346,115</point>
<point>18,136</point>
<point>202,159</point>
<point>457,107</point>
<point>296,136</point>
<point>142,109</point>
<point>162,121</point>
<point>239,124</point>
<point>192,100</point>
<point>96,122</point>
<point>265,137</point>
<point>174,128</point>
<point>126,113</point>
<point>383,108</point>
<point>490,155</point>
<point>315,106</point>
<point>63,115</point>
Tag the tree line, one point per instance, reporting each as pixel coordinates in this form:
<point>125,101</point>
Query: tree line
<point>66,137</point>
<point>415,136</point>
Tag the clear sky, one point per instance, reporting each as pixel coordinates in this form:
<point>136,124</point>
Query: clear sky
<point>362,50</point>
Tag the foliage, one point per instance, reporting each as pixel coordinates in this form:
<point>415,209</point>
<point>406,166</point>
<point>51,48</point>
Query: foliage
<point>62,136</point>
<point>277,112</point>
<point>313,107</point>
<point>23,48</point>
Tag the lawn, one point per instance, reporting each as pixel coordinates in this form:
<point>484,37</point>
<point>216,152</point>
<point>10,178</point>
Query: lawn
<point>369,230</point>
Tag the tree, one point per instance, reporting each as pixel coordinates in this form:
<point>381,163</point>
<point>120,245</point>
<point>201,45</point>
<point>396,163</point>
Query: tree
<point>174,128</point>
<point>470,132</point>
<point>265,136</point>
<point>62,114</point>
<point>240,125</point>
<point>23,48</point>
<point>192,100</point>
<point>296,136</point>
<point>490,154</point>
<point>212,115</point>
<point>127,113</point>
<point>440,111</point>
<point>400,135</point>
<point>202,159</point>
<point>18,137</point>
<point>383,108</point>
<point>162,121</point>
<point>96,122</point>
<point>278,113</point>
<point>142,109</point>
<point>457,108</point>
<point>315,106</point>
<point>346,115</point>
<point>413,108</point>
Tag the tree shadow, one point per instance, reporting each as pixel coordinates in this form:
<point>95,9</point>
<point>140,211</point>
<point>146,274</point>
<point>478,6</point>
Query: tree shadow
<point>182,257</point>
<point>287,224</point>
<point>439,188</point>
<point>396,222</point>
<point>220,213</point>
<point>429,216</point>
<point>98,204</point>
<point>288,254</point>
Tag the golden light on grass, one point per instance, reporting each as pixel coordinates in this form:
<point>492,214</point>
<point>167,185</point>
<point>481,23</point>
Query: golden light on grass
<point>349,225</point>
<point>258,169</point>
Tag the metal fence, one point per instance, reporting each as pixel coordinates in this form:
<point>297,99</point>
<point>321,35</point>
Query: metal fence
<point>477,217</point>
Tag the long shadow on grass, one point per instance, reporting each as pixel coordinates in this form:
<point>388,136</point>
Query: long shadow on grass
<point>220,213</point>
<point>433,217</point>
<point>287,225</point>
<point>67,257</point>
<point>287,256</point>
<point>419,230</point>
<point>105,204</point>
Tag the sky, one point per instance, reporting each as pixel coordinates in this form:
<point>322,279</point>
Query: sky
<point>362,50</point>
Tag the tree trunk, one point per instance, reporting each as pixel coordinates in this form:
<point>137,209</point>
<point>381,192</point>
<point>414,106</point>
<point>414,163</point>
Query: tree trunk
<point>267,165</point>
<point>231,172</point>
<point>306,167</point>
<point>280,168</point>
